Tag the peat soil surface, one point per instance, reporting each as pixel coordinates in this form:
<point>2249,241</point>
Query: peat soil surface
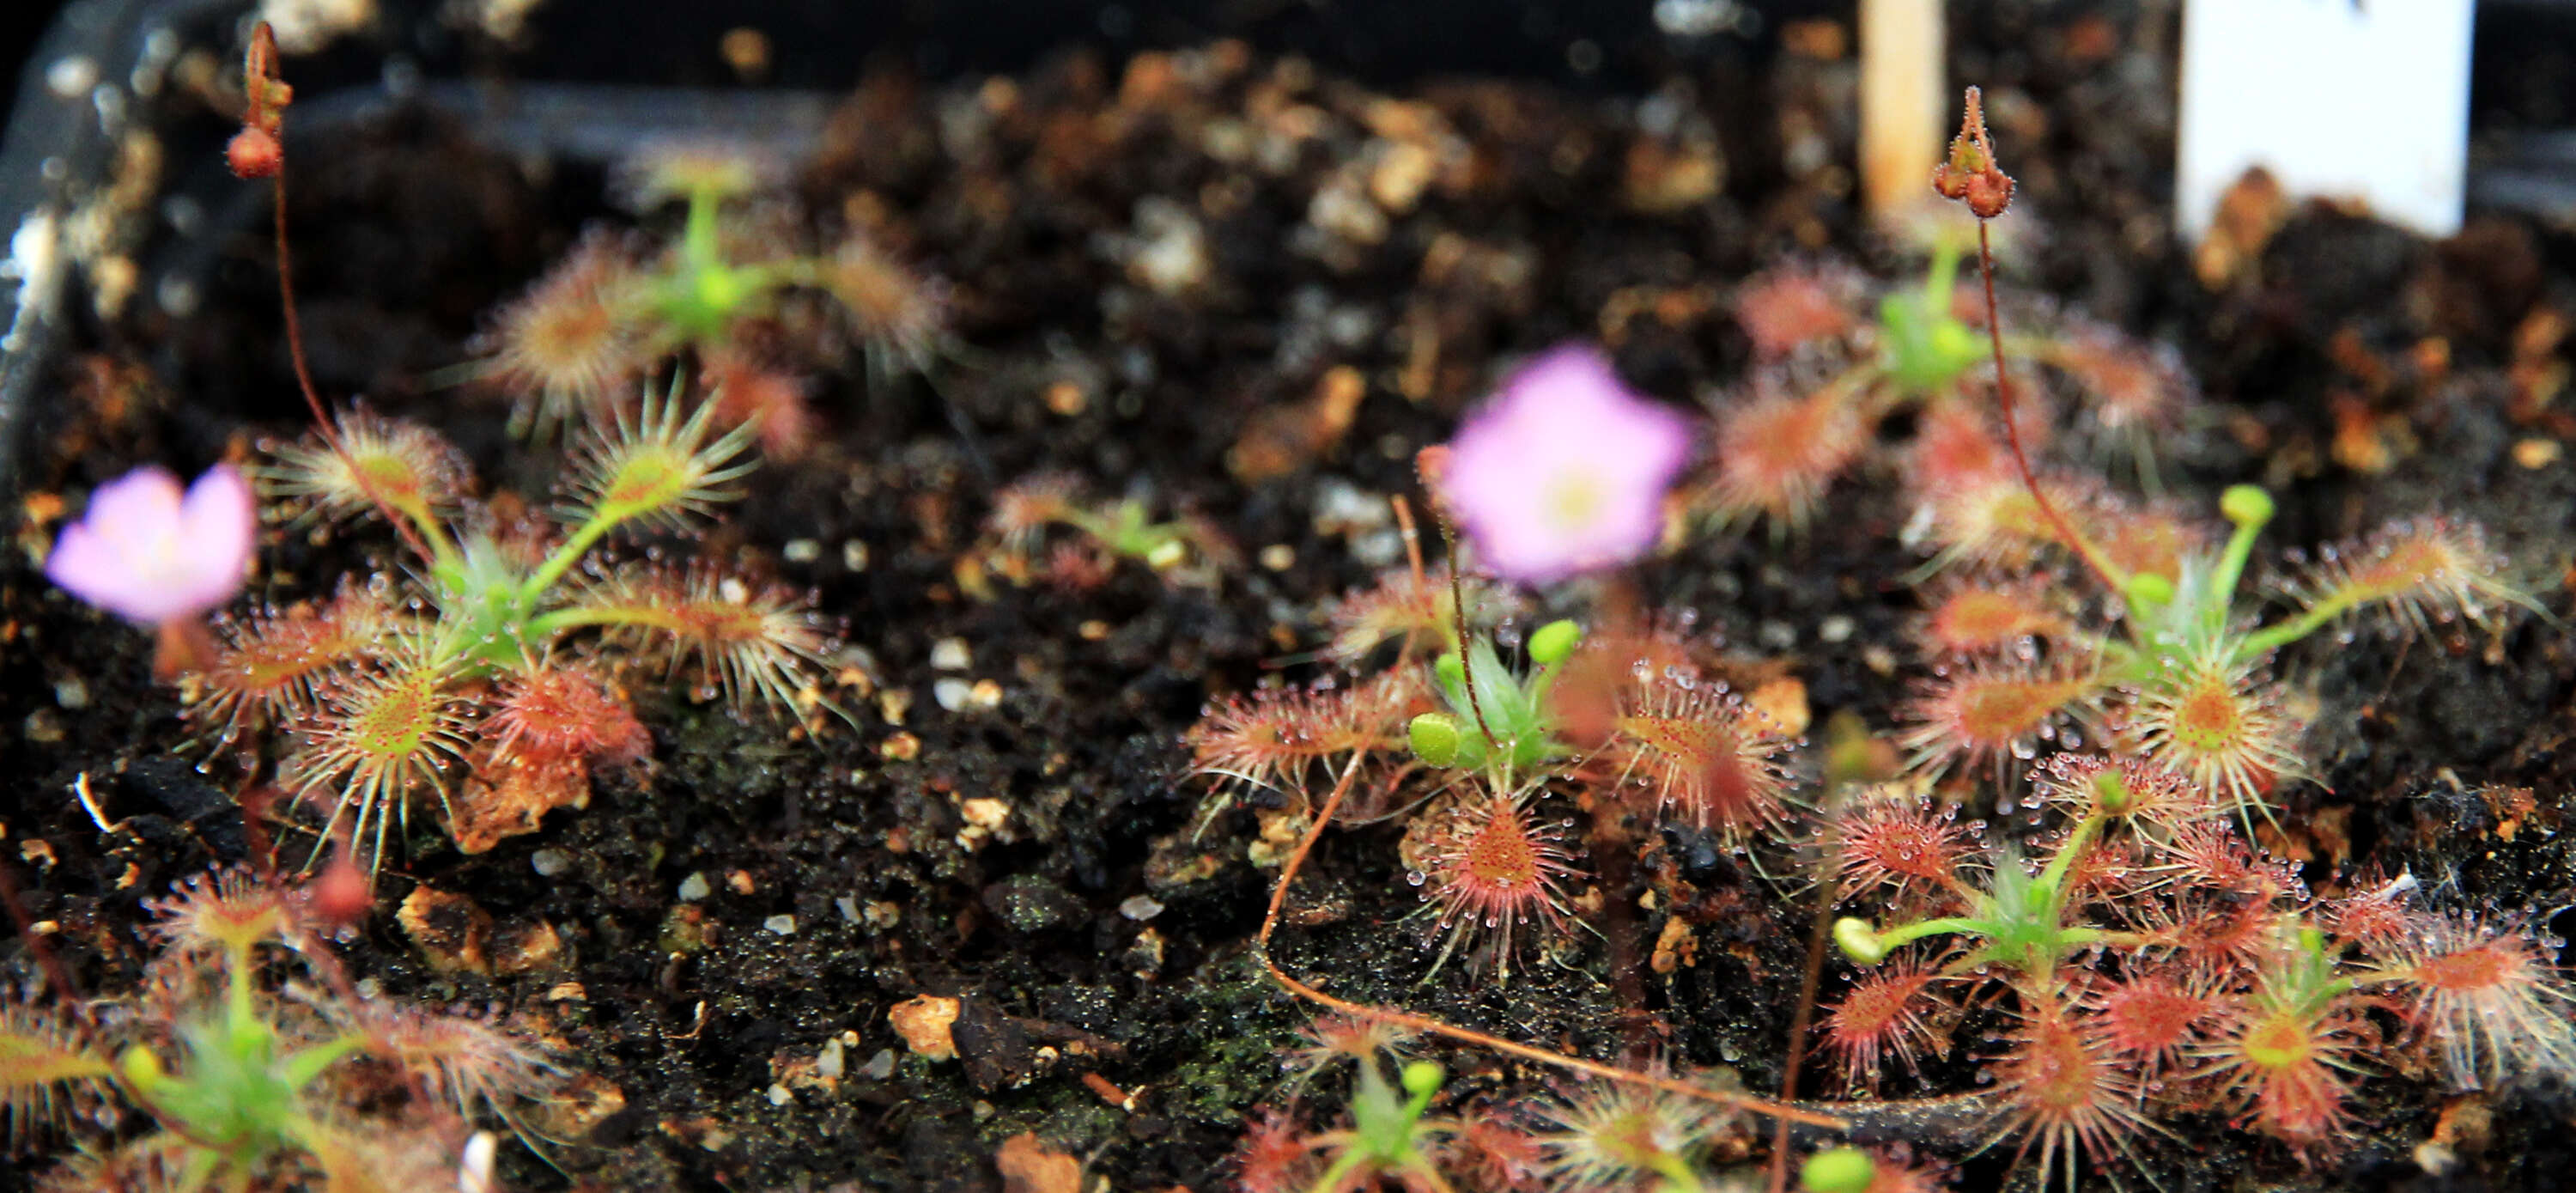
<point>1035,858</point>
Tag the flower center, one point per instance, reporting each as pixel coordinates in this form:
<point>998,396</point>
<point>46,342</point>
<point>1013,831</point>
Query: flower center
<point>1573,500</point>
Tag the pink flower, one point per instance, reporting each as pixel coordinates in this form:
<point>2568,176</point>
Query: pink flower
<point>147,553</point>
<point>1564,470</point>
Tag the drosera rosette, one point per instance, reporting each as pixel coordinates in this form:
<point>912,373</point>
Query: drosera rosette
<point>254,1080</point>
<point>1830,369</point>
<point>2178,676</point>
<point>489,677</point>
<point>741,286</point>
<point>1533,497</point>
<point>2288,1053</point>
<point>2181,675</point>
<point>1391,1134</point>
<point>2048,932</point>
<point>1186,550</point>
<point>1487,862</point>
<point>2155,966</point>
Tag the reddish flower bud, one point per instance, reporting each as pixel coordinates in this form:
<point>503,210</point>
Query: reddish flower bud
<point>254,153</point>
<point>1971,174</point>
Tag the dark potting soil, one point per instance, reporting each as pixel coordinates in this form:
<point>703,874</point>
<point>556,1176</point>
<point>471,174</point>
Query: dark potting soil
<point>1025,195</point>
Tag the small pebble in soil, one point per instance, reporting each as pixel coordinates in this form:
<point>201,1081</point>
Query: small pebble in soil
<point>854,555</point>
<point>924,1022</point>
<point>740,881</point>
<point>848,906</point>
<point>549,862</point>
<point>71,76</point>
<point>178,297</point>
<point>1777,636</point>
<point>1343,509</point>
<point>1169,251</point>
<point>951,654</point>
<point>952,694</point>
<point>880,1066</point>
<point>1278,557</point>
<point>780,1096</point>
<point>694,887</point>
<point>801,551</point>
<point>71,693</point>
<point>1145,957</point>
<point>780,925</point>
<point>43,727</point>
<point>829,1062</point>
<point>1140,908</point>
<point>1836,629</point>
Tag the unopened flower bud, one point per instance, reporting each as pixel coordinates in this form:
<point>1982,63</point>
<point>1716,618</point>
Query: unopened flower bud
<point>1550,643</point>
<point>1859,941</point>
<point>253,153</point>
<point>1435,738</point>
<point>1971,175</point>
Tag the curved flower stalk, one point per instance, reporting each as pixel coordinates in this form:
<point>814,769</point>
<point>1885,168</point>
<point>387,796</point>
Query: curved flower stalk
<point>1830,368</point>
<point>2177,677</point>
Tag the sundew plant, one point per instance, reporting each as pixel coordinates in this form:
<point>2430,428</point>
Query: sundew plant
<point>253,1081</point>
<point>487,669</point>
<point>488,674</point>
<point>2101,662</point>
<point>729,289</point>
<point>2177,675</point>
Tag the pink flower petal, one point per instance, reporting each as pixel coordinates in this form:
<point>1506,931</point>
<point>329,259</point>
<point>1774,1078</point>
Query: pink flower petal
<point>218,521</point>
<point>1565,469</point>
<point>144,552</point>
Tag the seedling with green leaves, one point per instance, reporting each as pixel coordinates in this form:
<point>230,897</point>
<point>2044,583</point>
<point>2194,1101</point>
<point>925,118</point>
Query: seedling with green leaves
<point>724,290</point>
<point>486,672</point>
<point>2175,671</point>
<point>498,656</point>
<point>262,1085</point>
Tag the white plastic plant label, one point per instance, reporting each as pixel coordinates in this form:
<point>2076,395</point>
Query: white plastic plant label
<point>2341,99</point>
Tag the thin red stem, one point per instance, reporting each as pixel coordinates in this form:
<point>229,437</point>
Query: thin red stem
<point>2057,522</point>
<point>322,420</point>
<point>1798,1026</point>
<point>1430,1026</point>
<point>1458,615</point>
